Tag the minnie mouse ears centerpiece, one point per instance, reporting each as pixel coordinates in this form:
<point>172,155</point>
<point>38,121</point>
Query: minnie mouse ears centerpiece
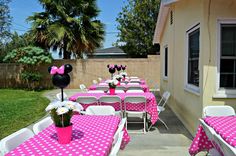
<point>60,76</point>
<point>111,69</point>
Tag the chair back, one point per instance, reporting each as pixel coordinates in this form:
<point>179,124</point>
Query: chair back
<point>103,88</point>
<point>208,130</point>
<point>121,126</point>
<point>218,111</point>
<point>134,88</point>
<point>12,141</point>
<point>110,100</point>
<point>83,87</point>
<point>87,100</point>
<point>41,125</point>
<point>100,110</point>
<point>134,91</point>
<point>133,77</point>
<point>120,88</point>
<point>165,97</point>
<point>116,144</point>
<point>103,83</point>
<point>95,82</point>
<point>95,91</point>
<point>133,83</point>
<point>135,100</point>
<point>58,95</point>
<point>225,148</point>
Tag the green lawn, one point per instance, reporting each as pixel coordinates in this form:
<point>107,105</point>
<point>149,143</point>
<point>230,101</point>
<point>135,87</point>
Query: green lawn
<point>19,108</point>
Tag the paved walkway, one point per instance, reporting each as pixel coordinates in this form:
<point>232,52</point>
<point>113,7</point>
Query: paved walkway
<point>157,142</point>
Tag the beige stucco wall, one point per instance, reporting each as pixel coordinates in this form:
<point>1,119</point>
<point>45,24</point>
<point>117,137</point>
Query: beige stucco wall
<point>187,13</point>
<point>218,10</point>
<point>84,71</point>
<point>186,105</point>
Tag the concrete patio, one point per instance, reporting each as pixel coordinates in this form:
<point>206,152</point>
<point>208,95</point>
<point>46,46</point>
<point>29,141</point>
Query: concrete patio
<point>158,141</point>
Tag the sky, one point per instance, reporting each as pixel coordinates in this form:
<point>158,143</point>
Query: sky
<point>21,9</point>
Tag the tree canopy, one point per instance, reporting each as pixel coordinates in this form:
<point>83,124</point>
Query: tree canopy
<point>70,26</point>
<point>136,26</point>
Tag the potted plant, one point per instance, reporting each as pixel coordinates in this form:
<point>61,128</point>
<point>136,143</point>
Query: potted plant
<point>112,86</point>
<point>118,78</point>
<point>61,113</point>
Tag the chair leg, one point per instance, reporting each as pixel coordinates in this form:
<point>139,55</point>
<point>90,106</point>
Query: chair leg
<point>163,123</point>
<point>144,122</point>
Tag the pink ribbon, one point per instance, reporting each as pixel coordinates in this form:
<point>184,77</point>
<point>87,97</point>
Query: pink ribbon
<point>55,70</point>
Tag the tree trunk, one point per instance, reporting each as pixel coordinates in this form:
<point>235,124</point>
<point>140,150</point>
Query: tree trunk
<point>66,54</point>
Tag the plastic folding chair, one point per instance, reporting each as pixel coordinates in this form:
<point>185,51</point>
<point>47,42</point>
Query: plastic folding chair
<point>112,100</point>
<point>12,141</point>
<point>116,144</point>
<point>100,110</point>
<point>121,88</point>
<point>134,88</point>
<point>95,91</point>
<point>83,88</point>
<point>134,91</point>
<point>218,111</point>
<point>225,148</point>
<point>104,88</point>
<point>41,125</point>
<point>136,100</point>
<point>133,77</point>
<point>86,101</point>
<point>117,91</point>
<point>133,84</point>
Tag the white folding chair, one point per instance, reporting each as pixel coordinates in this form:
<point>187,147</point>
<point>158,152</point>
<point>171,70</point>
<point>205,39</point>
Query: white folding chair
<point>95,82</point>
<point>224,146</point>
<point>208,130</point>
<point>134,91</point>
<point>133,77</point>
<point>112,100</point>
<point>218,111</point>
<point>100,110</point>
<point>133,84</point>
<point>103,83</point>
<point>99,79</point>
<point>58,95</point>
<point>86,100</point>
<point>41,125</point>
<point>121,88</point>
<point>104,88</point>
<point>116,144</point>
<point>12,141</point>
<point>134,100</point>
<point>95,91</point>
<point>117,91</point>
<point>122,124</point>
<point>161,105</point>
<point>83,88</point>
<point>131,87</point>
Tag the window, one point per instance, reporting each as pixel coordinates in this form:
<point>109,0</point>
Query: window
<point>193,57</point>
<point>228,56</point>
<point>166,62</point>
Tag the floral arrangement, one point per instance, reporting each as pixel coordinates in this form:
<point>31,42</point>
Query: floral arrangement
<point>118,77</point>
<point>113,83</point>
<point>124,74</point>
<point>61,112</point>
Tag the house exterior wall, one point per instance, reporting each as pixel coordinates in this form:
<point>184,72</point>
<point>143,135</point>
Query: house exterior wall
<point>217,10</point>
<point>186,105</point>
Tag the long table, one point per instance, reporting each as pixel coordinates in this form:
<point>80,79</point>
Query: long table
<point>143,86</point>
<point>92,135</point>
<point>225,126</point>
<point>151,102</point>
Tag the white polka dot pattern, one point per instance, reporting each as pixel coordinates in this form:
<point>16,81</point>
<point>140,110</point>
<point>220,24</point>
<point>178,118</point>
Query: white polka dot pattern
<point>92,135</point>
<point>151,102</point>
<point>224,126</point>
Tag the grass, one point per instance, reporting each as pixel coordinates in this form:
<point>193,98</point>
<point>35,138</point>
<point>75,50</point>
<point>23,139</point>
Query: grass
<point>20,108</point>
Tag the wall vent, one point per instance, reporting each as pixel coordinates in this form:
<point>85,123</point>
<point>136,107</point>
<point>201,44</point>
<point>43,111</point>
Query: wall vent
<point>171,17</point>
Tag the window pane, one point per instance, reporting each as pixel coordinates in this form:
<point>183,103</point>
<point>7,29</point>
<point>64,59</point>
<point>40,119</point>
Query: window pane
<point>226,80</point>
<point>166,61</point>
<point>193,58</point>
<point>228,40</point>
<point>227,66</point>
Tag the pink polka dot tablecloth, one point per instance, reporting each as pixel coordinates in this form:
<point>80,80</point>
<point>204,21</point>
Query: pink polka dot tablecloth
<point>224,126</point>
<point>144,87</point>
<point>92,135</point>
<point>151,102</point>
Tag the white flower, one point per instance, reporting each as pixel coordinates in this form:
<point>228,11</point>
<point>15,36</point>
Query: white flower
<point>53,105</point>
<point>123,73</point>
<point>69,104</point>
<point>115,82</point>
<point>62,110</point>
<point>78,107</point>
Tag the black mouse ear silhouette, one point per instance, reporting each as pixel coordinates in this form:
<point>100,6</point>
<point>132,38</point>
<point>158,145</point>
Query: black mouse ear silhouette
<point>67,68</point>
<point>49,69</point>
<point>108,65</point>
<point>115,65</point>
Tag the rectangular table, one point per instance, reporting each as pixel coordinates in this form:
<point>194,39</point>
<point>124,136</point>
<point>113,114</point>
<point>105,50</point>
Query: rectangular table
<point>225,126</point>
<point>151,102</point>
<point>143,86</point>
<point>92,135</point>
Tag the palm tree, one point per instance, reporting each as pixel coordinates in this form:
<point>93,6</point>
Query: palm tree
<point>69,25</point>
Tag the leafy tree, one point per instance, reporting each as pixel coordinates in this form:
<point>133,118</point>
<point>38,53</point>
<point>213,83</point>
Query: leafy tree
<point>5,23</point>
<point>31,58</point>
<point>69,25</point>
<point>137,22</point>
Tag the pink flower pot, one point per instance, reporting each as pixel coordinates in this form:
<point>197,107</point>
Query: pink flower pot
<point>112,91</point>
<point>118,83</point>
<point>64,134</point>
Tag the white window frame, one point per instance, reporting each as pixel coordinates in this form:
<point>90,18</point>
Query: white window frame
<point>221,92</point>
<point>164,63</point>
<point>190,87</point>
